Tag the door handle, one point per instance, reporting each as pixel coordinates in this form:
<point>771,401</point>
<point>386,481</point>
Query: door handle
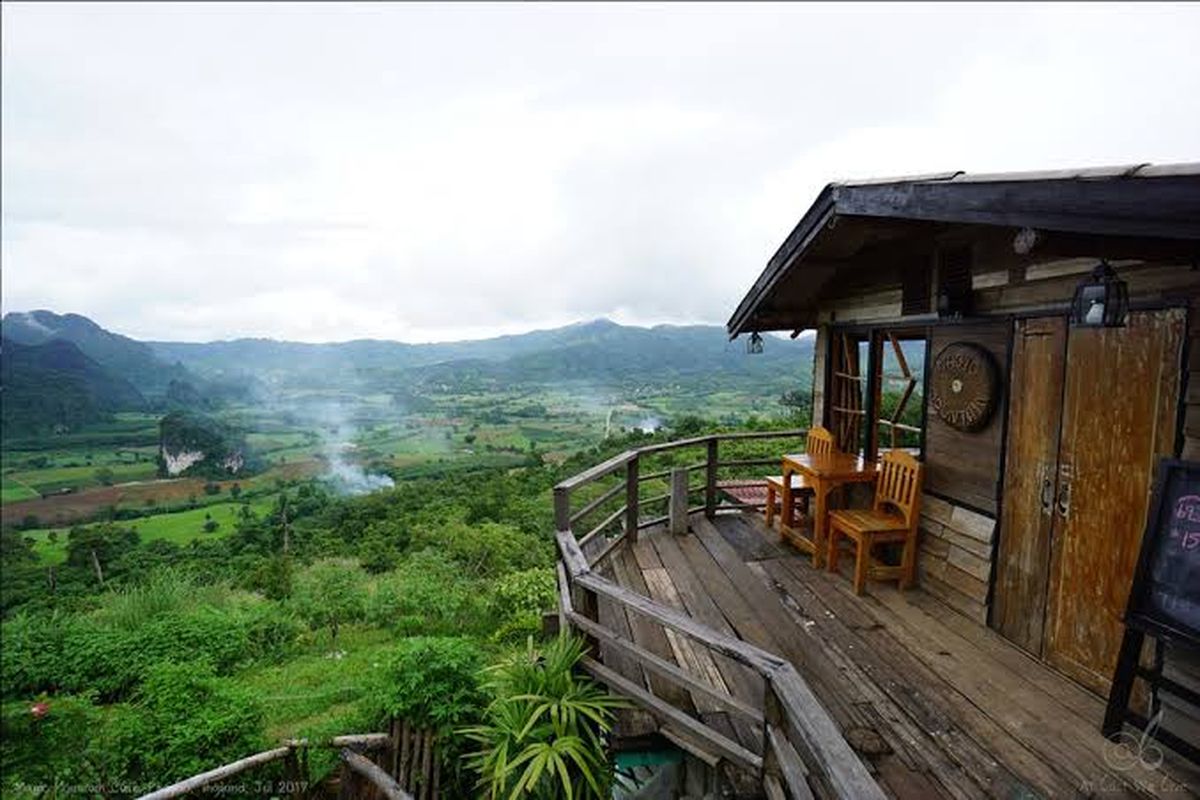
<point>1044,473</point>
<point>1064,491</point>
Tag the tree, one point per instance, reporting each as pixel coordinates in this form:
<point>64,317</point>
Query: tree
<point>235,491</point>
<point>105,476</point>
<point>95,546</point>
<point>330,593</point>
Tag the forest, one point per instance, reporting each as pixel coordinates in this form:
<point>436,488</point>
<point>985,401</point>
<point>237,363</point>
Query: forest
<point>383,549</point>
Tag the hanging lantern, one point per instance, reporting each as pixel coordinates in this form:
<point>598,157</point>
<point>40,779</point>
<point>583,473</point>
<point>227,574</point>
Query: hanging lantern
<point>1101,299</point>
<point>754,345</point>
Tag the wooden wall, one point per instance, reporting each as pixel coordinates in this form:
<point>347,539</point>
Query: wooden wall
<point>965,467</point>
<point>954,561</point>
<point>960,511</point>
<point>964,470</point>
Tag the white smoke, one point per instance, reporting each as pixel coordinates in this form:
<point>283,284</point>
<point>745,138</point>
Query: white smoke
<point>349,478</point>
<point>650,425</point>
<point>338,433</point>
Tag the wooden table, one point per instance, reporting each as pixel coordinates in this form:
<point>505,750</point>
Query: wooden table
<point>825,473</point>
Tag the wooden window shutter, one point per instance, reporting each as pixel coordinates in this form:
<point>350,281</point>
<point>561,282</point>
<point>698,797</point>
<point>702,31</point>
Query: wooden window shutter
<point>915,287</point>
<point>845,407</point>
<point>954,282</point>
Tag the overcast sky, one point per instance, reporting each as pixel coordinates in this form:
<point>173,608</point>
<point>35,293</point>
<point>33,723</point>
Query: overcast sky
<point>426,172</point>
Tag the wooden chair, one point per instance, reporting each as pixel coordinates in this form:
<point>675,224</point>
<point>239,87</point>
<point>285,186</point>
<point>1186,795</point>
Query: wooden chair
<point>820,442</point>
<point>892,519</point>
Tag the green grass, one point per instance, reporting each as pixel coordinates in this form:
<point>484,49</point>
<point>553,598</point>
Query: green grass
<point>54,479</point>
<point>313,689</point>
<point>179,527</point>
<point>12,490</point>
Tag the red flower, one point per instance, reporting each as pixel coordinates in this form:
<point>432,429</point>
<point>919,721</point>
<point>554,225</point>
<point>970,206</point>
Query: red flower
<point>39,710</point>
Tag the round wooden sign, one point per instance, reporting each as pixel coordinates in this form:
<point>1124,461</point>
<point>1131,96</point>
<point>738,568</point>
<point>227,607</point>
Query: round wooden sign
<point>963,386</point>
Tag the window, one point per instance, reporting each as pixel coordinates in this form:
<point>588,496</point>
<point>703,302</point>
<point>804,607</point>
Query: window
<point>876,396</point>
<point>847,390</point>
<point>898,410</point>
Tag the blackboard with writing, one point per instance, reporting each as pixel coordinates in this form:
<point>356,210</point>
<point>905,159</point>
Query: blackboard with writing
<point>1164,601</point>
<point>1165,595</point>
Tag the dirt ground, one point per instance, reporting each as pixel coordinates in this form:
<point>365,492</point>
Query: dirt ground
<point>64,509</point>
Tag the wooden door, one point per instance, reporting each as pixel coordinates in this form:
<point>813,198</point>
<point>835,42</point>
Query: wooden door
<point>1119,415</point>
<point>1023,554</point>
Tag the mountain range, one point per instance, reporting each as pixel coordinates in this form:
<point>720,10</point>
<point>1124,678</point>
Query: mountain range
<point>100,371</point>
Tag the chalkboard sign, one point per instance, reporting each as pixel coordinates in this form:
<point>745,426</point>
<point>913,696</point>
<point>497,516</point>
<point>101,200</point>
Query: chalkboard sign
<point>1165,597</point>
<point>1164,601</point>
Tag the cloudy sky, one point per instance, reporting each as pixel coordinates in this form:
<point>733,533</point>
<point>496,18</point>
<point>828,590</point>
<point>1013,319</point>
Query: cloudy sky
<point>427,172</point>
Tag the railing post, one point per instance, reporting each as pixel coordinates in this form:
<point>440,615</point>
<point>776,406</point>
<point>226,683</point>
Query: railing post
<point>772,719</point>
<point>710,480</point>
<point>631,500</point>
<point>562,508</point>
<point>677,509</point>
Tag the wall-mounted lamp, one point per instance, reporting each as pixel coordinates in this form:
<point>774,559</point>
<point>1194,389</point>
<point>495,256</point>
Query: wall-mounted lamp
<point>1101,299</point>
<point>754,345</point>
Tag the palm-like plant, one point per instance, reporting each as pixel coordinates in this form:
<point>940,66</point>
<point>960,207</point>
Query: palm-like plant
<point>543,734</point>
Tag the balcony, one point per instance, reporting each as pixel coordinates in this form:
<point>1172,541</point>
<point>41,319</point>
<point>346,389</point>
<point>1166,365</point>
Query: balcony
<point>735,649</point>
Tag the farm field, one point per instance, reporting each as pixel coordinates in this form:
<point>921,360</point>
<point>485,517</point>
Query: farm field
<point>63,480</point>
<point>179,527</point>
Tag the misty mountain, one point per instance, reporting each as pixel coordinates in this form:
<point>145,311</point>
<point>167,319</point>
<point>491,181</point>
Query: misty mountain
<point>596,350</point>
<point>81,371</point>
<point>119,355</point>
<point>54,385</point>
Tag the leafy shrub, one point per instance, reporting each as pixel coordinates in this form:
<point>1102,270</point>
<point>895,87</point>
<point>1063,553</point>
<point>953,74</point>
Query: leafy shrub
<point>426,595</point>
<point>432,682</point>
<point>488,549</point>
<point>543,734</point>
<point>185,720</point>
<point>50,745</point>
<point>528,591</point>
<point>110,651</point>
<point>330,592</point>
<point>518,628</point>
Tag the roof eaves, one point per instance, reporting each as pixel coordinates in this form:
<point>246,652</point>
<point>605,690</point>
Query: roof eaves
<point>813,221</point>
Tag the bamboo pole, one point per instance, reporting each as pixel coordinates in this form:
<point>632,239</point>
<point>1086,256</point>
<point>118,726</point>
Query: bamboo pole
<point>375,775</point>
<point>195,782</point>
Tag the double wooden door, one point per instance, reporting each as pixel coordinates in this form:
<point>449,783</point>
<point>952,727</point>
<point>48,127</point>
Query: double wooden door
<point>1090,412</point>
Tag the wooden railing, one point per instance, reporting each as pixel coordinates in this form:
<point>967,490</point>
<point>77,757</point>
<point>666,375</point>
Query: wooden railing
<point>408,753</point>
<point>803,752</point>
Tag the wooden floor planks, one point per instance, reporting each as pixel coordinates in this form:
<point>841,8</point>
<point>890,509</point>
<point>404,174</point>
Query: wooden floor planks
<point>937,705</point>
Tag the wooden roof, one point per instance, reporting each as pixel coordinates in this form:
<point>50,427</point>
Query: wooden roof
<point>852,222</point>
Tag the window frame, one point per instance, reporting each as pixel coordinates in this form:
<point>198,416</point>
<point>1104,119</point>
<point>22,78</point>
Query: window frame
<point>876,336</point>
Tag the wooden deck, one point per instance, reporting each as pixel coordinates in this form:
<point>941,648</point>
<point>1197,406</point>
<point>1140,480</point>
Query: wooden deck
<point>934,704</point>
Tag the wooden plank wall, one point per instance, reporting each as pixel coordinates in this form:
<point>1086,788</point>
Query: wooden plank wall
<point>965,467</point>
<point>959,523</point>
<point>820,352</point>
<point>956,546</point>
<point>954,560</point>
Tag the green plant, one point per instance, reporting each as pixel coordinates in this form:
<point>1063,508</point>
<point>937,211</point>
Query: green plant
<point>543,735</point>
<point>528,591</point>
<point>185,720</point>
<point>431,682</point>
<point>53,743</point>
<point>330,593</point>
<point>427,595</point>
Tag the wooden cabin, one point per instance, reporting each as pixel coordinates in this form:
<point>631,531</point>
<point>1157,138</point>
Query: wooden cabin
<point>1032,520</point>
<point>950,319</point>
